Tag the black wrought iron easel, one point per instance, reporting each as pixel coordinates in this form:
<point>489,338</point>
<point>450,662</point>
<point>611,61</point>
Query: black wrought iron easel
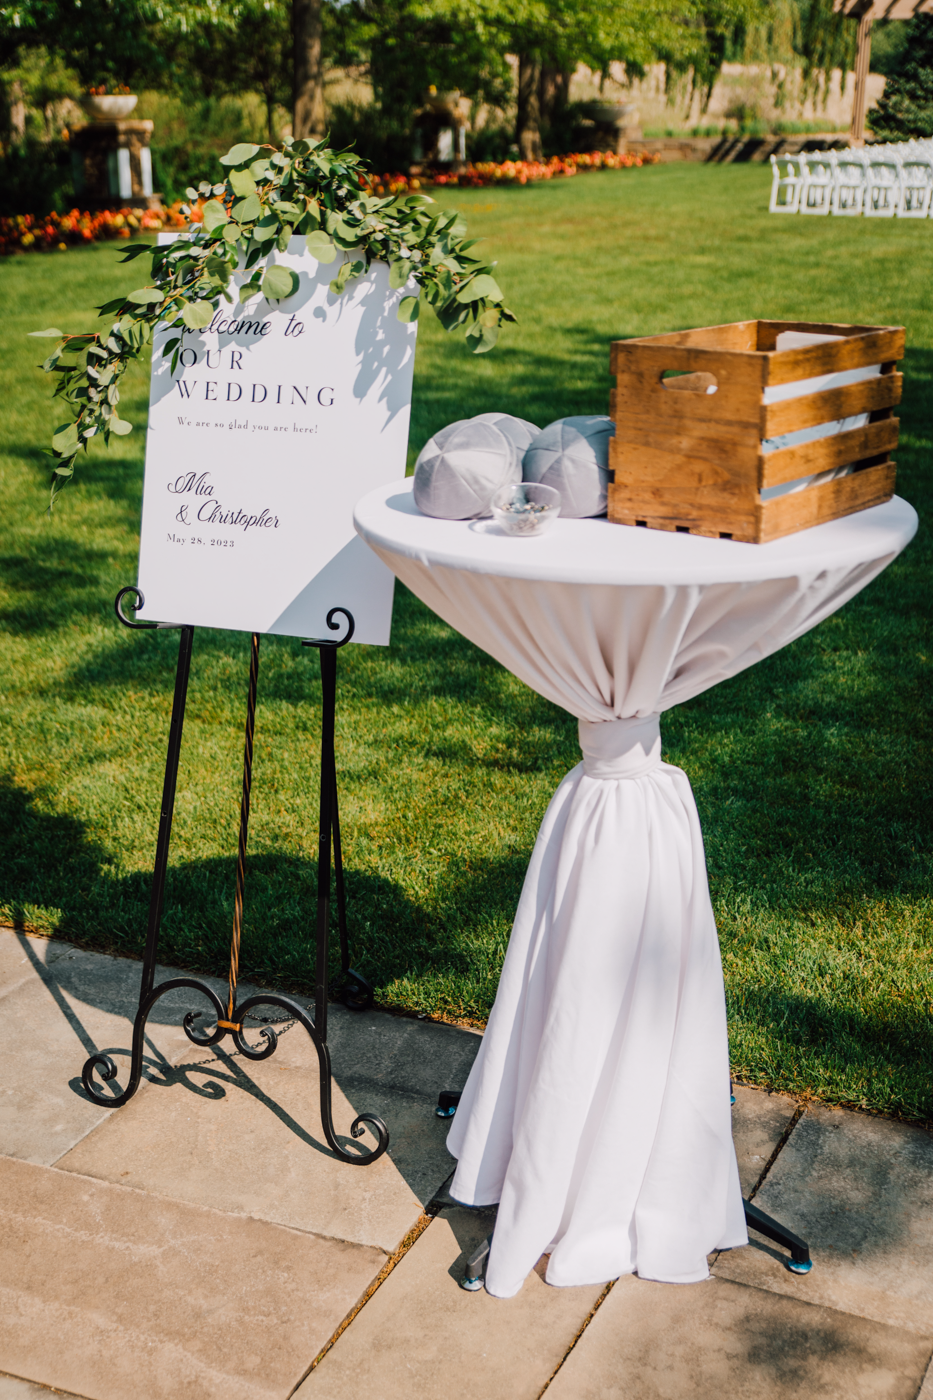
<point>355,991</point>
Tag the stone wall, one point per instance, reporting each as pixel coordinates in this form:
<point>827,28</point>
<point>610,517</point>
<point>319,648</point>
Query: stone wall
<point>742,92</point>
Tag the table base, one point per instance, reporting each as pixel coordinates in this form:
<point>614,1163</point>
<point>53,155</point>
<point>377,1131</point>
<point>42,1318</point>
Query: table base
<point>755,1219</point>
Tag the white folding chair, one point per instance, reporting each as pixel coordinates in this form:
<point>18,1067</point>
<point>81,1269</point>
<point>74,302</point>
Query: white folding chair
<point>817,190</point>
<point>849,180</point>
<point>916,174</point>
<point>785,188</point>
<point>883,187</point>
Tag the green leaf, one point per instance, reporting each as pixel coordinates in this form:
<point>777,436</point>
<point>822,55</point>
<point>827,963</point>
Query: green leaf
<point>50,332</point>
<point>135,250</point>
<point>320,246</point>
<point>482,285</point>
<point>197,314</point>
<point>399,273</point>
<point>279,283</point>
<point>146,296</point>
<point>240,155</point>
<point>249,290</point>
<point>267,227</point>
<point>215,215</point>
<point>259,168</point>
<point>232,231</point>
<point>483,338</point>
<point>408,309</point>
<point>245,210</point>
<point>339,283</point>
<point>242,182</point>
<point>120,426</point>
<point>65,439</point>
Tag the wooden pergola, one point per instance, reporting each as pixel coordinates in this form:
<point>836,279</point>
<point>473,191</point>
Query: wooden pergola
<point>866,11</point>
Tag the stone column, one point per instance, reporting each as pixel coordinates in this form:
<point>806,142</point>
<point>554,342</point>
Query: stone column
<point>112,165</point>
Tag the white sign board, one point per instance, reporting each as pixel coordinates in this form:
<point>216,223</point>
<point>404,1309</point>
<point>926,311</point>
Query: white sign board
<point>277,419</point>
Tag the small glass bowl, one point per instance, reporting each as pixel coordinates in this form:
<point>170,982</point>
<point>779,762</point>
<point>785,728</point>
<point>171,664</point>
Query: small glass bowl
<point>527,508</point>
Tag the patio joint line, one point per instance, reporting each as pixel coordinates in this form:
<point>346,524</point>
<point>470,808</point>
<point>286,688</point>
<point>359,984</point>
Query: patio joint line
<point>781,1143</point>
<point>583,1326</point>
<point>146,1194</point>
<point>407,1243</point>
<point>927,1376</point>
<point>70,1394</point>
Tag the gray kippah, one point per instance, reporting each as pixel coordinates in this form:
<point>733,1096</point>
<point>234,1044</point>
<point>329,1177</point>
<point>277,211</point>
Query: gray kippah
<point>461,468</point>
<point>519,430</point>
<point>572,455</point>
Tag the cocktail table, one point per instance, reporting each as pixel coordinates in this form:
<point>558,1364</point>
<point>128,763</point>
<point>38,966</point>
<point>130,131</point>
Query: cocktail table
<point>597,1111</point>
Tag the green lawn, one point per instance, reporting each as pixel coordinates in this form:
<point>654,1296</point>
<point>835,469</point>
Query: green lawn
<point>811,771</point>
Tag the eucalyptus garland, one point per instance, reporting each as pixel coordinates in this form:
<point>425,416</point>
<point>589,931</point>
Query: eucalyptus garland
<point>268,197</point>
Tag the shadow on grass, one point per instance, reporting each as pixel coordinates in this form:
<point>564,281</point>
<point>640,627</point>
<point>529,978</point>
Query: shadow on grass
<point>50,863</point>
<point>50,588</point>
<point>428,663</point>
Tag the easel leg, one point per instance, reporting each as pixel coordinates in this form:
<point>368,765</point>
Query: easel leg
<point>328,786</point>
<point>103,1064</point>
<point>356,993</point>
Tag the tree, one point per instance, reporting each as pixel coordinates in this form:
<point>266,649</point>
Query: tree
<point>906,108</point>
<point>308,81</point>
<point>551,37</point>
<point>117,41</point>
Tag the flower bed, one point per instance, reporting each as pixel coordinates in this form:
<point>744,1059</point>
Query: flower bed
<point>510,172</point>
<point>25,233</point>
<point>33,233</point>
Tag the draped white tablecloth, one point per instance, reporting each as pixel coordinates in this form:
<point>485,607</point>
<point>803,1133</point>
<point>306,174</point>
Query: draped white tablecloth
<point>597,1111</point>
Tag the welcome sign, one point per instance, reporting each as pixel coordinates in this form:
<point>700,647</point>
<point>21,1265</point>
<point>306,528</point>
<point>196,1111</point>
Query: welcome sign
<point>275,421</point>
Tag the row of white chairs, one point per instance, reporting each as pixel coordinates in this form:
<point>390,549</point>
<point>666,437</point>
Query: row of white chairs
<point>880,182</point>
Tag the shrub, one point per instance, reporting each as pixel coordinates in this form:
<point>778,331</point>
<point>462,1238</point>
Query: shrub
<point>35,175</point>
<point>906,109</point>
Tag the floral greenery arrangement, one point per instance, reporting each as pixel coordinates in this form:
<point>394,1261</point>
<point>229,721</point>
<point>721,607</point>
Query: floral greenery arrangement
<point>269,196</point>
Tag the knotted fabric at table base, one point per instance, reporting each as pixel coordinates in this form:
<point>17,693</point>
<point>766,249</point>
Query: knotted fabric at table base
<point>597,1111</point>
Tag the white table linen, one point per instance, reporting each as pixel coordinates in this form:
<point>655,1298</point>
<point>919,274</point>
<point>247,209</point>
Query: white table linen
<point>597,1111</point>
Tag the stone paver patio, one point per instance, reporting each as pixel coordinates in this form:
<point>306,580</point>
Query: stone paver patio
<point>203,1242</point>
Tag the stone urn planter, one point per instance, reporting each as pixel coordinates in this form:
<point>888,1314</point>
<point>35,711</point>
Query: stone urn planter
<point>109,108</point>
<point>609,113</point>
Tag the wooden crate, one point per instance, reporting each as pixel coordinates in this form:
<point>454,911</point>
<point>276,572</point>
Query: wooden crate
<point>689,460</point>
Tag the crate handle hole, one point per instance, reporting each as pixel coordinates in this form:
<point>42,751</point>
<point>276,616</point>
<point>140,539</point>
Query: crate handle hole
<point>725,534</point>
<point>695,382</point>
<point>682,529</point>
<point>642,523</point>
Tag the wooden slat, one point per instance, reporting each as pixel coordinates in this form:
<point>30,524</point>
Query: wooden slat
<point>817,504</point>
<point>729,407</point>
<point>734,335</point>
<point>784,366</point>
<point>645,471</point>
<point>806,412</point>
<point>711,441</point>
<point>840,450</point>
<point>768,331</point>
<point>640,390</point>
<point>661,514</point>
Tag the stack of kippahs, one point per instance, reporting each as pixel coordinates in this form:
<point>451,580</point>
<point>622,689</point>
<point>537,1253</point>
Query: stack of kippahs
<point>461,468</point>
<point>572,455</point>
